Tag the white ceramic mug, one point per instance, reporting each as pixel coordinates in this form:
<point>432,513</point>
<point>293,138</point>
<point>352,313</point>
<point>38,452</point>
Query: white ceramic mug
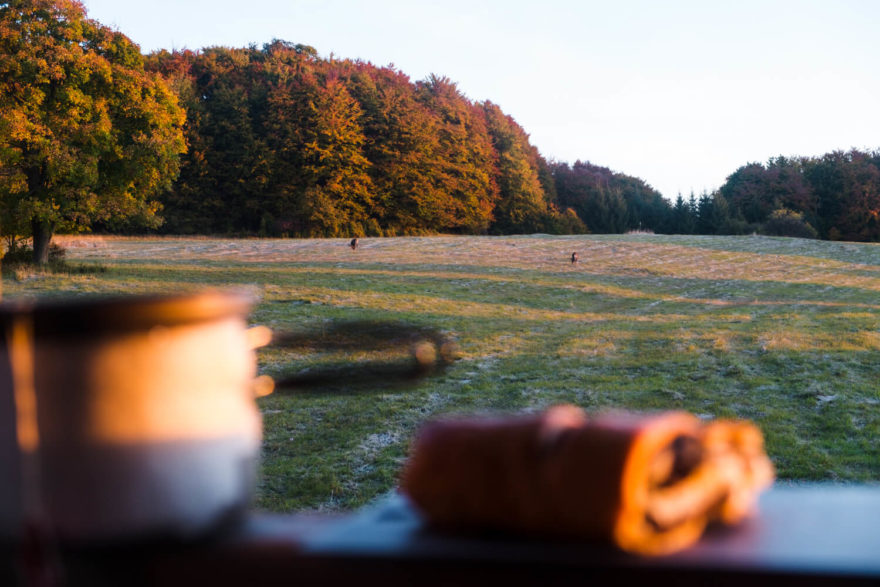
<point>145,416</point>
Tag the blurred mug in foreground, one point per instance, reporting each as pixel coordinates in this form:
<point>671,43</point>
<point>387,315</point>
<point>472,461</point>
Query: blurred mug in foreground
<point>128,417</point>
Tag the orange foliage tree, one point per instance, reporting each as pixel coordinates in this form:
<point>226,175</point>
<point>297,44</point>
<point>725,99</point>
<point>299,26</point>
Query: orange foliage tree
<point>86,134</point>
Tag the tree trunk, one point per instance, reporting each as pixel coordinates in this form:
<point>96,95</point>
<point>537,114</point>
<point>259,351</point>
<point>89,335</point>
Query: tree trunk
<point>42,232</point>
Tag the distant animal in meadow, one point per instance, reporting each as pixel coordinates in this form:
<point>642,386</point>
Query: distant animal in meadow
<point>574,258</point>
<point>353,244</point>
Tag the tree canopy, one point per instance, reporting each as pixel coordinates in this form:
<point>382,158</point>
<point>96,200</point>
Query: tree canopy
<point>837,194</point>
<point>277,141</point>
<point>283,142</point>
<point>86,134</point>
<point>610,202</point>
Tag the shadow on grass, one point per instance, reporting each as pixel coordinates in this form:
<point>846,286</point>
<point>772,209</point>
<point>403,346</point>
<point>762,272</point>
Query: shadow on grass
<point>408,354</point>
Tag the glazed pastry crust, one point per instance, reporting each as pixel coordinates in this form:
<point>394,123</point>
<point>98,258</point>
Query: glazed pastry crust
<point>648,484</point>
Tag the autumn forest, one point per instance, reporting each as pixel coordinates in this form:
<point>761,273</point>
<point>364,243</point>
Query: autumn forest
<point>278,141</point>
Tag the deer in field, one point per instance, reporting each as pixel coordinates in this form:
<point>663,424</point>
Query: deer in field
<point>353,244</point>
<point>574,258</point>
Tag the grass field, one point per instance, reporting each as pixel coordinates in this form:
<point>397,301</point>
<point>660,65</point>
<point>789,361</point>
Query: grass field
<point>785,332</point>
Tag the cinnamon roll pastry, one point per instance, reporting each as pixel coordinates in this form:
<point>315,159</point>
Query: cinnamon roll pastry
<point>648,484</point>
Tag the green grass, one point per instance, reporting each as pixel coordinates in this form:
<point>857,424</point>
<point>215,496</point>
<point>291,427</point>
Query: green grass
<point>784,332</point>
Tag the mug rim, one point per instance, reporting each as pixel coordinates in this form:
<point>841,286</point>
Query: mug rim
<point>107,313</point>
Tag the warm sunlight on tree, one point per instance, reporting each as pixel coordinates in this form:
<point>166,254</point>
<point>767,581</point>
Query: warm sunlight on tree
<point>86,135</point>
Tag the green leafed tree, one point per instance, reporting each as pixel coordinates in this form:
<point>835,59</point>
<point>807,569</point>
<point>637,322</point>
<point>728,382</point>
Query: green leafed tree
<point>683,217</point>
<point>86,135</point>
<point>785,222</point>
<point>713,214</point>
<point>755,190</point>
<point>847,187</point>
<point>609,202</point>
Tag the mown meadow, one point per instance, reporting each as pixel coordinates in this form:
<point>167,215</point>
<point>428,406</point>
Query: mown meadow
<point>785,332</point>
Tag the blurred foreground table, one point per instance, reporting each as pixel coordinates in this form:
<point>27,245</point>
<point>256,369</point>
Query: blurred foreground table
<point>803,535</point>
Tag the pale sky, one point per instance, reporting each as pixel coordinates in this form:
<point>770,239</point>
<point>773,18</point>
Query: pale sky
<point>679,93</point>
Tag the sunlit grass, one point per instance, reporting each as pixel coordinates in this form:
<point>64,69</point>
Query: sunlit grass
<point>785,332</point>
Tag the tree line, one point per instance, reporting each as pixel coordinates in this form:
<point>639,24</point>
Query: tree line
<point>278,141</point>
<point>835,196</point>
<point>285,143</point>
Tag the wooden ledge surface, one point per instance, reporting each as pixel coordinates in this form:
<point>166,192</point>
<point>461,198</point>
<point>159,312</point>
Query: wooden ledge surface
<point>811,534</point>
